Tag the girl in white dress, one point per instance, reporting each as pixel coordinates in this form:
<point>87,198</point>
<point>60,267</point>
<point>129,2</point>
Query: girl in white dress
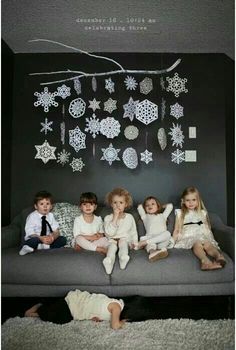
<point>193,231</point>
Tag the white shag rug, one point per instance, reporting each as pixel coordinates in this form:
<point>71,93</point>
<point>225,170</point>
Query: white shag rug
<point>34,334</point>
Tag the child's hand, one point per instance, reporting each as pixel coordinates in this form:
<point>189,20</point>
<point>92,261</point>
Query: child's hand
<point>133,245</point>
<point>77,247</point>
<point>96,319</point>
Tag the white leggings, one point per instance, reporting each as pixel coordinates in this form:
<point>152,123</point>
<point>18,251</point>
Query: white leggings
<point>157,241</point>
<point>88,245</point>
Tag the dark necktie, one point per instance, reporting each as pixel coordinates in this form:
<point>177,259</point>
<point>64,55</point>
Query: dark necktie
<point>44,226</point>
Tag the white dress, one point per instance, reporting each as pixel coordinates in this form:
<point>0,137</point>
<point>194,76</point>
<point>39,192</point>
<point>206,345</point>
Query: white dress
<point>194,230</point>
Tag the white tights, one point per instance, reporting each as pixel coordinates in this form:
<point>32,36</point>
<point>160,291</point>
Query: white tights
<point>88,245</point>
<point>123,254</point>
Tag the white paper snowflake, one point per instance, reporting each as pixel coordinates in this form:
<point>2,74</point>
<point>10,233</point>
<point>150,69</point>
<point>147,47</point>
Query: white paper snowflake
<point>77,139</point>
<point>130,158</point>
<point>162,139</point>
<point>176,135</point>
<point>109,127</point>
<point>176,110</point>
<point>110,154</point>
<point>178,156</point>
<point>77,108</point>
<point>176,84</point>
<point>131,132</point>
<point>45,99</point>
<point>63,157</point>
<point>93,125</point>
<point>63,132</point>
<point>77,164</point>
<point>46,126</point>
<point>163,108</point>
<point>146,86</point>
<point>146,112</point>
<point>130,83</point>
<point>130,109</point>
<point>45,152</point>
<point>77,86</point>
<point>109,85</point>
<point>94,104</point>
<point>63,91</point>
<point>110,105</point>
<point>146,156</point>
<point>94,84</point>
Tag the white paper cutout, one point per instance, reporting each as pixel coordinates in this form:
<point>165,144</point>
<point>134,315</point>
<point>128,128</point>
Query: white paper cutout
<point>77,108</point>
<point>94,104</point>
<point>146,156</point>
<point>77,86</point>
<point>110,105</point>
<point>63,132</point>
<point>176,85</point>
<point>109,127</point>
<point>130,158</point>
<point>93,125</point>
<point>94,84</point>
<point>63,91</point>
<point>130,83</point>
<point>146,112</point>
<point>176,135</point>
<point>163,108</point>
<point>177,110</point>
<point>192,132</point>
<point>45,152</point>
<point>77,164</point>
<point>45,99</point>
<point>46,126</point>
<point>77,139</point>
<point>190,156</point>
<point>178,156</point>
<point>63,157</point>
<point>162,139</point>
<point>110,154</point>
<point>109,85</point>
<point>130,109</point>
<point>146,86</point>
<point>131,132</point>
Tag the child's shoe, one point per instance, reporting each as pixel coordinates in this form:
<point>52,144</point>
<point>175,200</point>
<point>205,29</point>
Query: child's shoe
<point>43,246</point>
<point>26,250</point>
<point>158,254</point>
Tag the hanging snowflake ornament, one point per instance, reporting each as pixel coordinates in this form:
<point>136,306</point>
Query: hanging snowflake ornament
<point>94,84</point>
<point>176,110</point>
<point>92,125</point>
<point>109,85</point>
<point>94,104</point>
<point>163,108</point>
<point>110,105</point>
<point>45,152</point>
<point>63,91</point>
<point>176,135</point>
<point>46,126</point>
<point>130,158</point>
<point>110,154</point>
<point>63,132</point>
<point>109,127</point>
<point>77,164</point>
<point>130,83</point>
<point>77,108</point>
<point>77,139</point>
<point>146,112</point>
<point>63,157</point>
<point>130,109</point>
<point>162,83</point>
<point>146,86</point>
<point>45,99</point>
<point>176,84</point>
<point>131,132</point>
<point>146,156</point>
<point>77,86</point>
<point>178,156</point>
<point>162,139</point>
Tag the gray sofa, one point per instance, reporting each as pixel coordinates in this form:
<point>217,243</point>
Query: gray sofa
<point>52,273</point>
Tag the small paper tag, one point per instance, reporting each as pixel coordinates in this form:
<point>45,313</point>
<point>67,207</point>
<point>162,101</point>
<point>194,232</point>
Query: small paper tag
<point>190,156</point>
<point>192,132</point>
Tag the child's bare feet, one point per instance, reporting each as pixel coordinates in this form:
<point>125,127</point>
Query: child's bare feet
<point>32,312</point>
<point>77,247</point>
<point>102,250</point>
<point>207,265</point>
<point>221,260</point>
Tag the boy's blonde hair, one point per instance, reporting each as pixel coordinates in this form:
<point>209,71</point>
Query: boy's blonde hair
<point>122,192</point>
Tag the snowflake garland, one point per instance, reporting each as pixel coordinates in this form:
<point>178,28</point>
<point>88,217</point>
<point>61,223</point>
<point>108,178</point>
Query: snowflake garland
<point>77,164</point>
<point>176,135</point>
<point>146,156</point>
<point>131,132</point>
<point>163,108</point>
<point>109,127</point>
<point>46,126</point>
<point>178,156</point>
<point>94,84</point>
<point>63,157</point>
<point>93,125</point>
<point>146,86</point>
<point>109,85</point>
<point>110,154</point>
<point>146,112</point>
<point>45,152</point>
<point>176,84</point>
<point>77,139</point>
<point>110,105</point>
<point>130,158</point>
<point>162,139</point>
<point>45,99</point>
<point>77,86</point>
<point>94,104</point>
<point>63,132</point>
<point>130,109</point>
<point>162,83</point>
<point>63,91</point>
<point>77,108</point>
<point>176,110</point>
<point>131,83</point>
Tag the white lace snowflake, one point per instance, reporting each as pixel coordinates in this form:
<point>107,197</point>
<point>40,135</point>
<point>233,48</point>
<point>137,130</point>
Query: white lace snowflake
<point>162,139</point>
<point>45,99</point>
<point>178,156</point>
<point>77,139</point>
<point>176,84</point>
<point>94,104</point>
<point>130,109</point>
<point>77,164</point>
<point>63,91</point>
<point>109,127</point>
<point>46,126</point>
<point>130,83</point>
<point>110,154</point>
<point>146,112</point>
<point>63,132</point>
<point>146,86</point>
<point>109,85</point>
<point>94,84</point>
<point>45,152</point>
<point>146,156</point>
<point>93,125</point>
<point>63,157</point>
<point>176,110</point>
<point>130,158</point>
<point>176,135</point>
<point>77,86</point>
<point>163,108</point>
<point>131,132</point>
<point>77,108</point>
<point>110,105</point>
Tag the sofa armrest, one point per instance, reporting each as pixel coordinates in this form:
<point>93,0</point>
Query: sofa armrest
<point>225,236</point>
<point>10,236</point>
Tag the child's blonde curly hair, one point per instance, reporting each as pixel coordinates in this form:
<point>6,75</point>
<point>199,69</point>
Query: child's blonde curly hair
<point>122,192</point>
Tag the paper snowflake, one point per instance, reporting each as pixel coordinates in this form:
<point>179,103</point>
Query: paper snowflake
<point>63,157</point>
<point>77,86</point>
<point>94,84</point>
<point>93,125</point>
<point>162,139</point>
<point>163,108</point>
<point>109,85</point>
<point>77,164</point>
<point>146,112</point>
<point>130,83</point>
<point>110,105</point>
<point>176,110</point>
<point>131,132</point>
<point>109,127</point>
<point>178,156</point>
<point>45,99</point>
<point>162,83</point>
<point>146,156</point>
<point>45,152</point>
<point>176,135</point>
<point>63,132</point>
<point>94,104</point>
<point>46,126</point>
<point>130,158</point>
<point>176,84</point>
<point>146,86</point>
<point>63,91</point>
<point>77,139</point>
<point>110,154</point>
<point>130,109</point>
<point>77,108</point>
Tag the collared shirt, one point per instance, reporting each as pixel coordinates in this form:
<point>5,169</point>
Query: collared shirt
<point>33,224</point>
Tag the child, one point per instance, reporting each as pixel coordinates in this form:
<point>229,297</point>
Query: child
<point>120,229</point>
<point>157,238</point>
<point>192,231</point>
<point>88,228</point>
<point>41,228</point>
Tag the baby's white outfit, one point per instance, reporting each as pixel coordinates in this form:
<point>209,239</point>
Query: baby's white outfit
<point>120,236</point>
<point>85,306</point>
<point>195,228</point>
<point>157,235</point>
<point>81,227</point>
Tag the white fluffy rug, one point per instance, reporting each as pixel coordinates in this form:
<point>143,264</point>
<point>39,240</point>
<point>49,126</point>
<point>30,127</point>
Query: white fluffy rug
<point>33,334</point>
